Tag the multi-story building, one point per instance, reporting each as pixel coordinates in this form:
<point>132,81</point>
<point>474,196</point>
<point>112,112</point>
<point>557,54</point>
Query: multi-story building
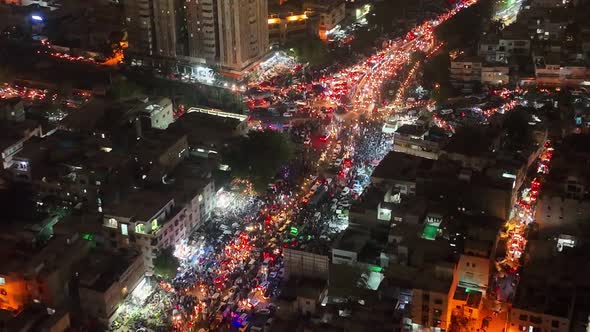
<point>286,21</point>
<point>495,75</point>
<point>29,275</point>
<point>330,12</point>
<point>153,220</point>
<point>13,138</point>
<point>243,33</point>
<point>226,33</point>
<point>465,71</point>
<point>105,279</point>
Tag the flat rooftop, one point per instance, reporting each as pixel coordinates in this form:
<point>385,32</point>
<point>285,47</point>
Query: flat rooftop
<point>401,167</point>
<point>141,205</point>
<point>100,269</point>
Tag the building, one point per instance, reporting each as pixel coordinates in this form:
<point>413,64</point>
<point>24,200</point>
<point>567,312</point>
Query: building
<point>243,33</point>
<point>159,113</point>
<point>495,75</point>
<point>564,199</point>
<point>210,130</point>
<point>470,283</point>
<point>12,109</point>
<point>31,274</point>
<point>13,137</point>
<point>36,318</point>
<point>551,70</point>
<point>331,13</point>
<point>232,35</point>
<point>168,214</point>
<point>536,309</point>
<point>286,21</point>
<point>416,141</point>
<point>105,279</point>
<point>306,264</point>
<point>465,71</point>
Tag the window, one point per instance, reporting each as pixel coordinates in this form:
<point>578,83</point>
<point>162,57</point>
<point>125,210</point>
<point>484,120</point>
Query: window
<point>2,281</point>
<point>124,229</point>
<point>140,228</point>
<point>112,222</point>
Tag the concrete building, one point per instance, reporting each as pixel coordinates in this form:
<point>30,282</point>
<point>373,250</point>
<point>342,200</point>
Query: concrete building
<point>465,71</point>
<point>14,136</point>
<point>306,264</point>
<point>286,21</point>
<point>416,141</point>
<point>495,75</point>
<point>330,12</point>
<point>105,279</point>
<point>470,283</point>
<point>551,70</point>
<point>226,33</point>
<point>30,275</point>
<point>168,213</point>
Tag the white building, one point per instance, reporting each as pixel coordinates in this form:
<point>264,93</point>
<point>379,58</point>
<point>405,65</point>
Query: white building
<point>495,75</point>
<point>153,220</point>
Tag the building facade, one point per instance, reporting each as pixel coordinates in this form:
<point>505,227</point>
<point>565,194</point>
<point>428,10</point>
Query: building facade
<point>231,34</point>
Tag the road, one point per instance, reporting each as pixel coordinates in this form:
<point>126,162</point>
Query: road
<point>238,256</point>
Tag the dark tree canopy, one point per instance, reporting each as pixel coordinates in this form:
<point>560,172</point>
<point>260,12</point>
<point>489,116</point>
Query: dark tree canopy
<point>165,263</point>
<point>259,156</point>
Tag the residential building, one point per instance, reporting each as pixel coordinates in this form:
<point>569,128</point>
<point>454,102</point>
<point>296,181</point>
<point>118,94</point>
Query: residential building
<point>306,264</point>
<point>537,309</point>
<point>495,75</point>
<point>169,213</point>
<point>330,12</point>
<point>470,283</point>
<point>210,130</point>
<point>171,35</point>
<point>416,141</point>
<point>12,109</point>
<point>564,199</point>
<point>105,279</point>
<point>243,33</point>
<point>286,21</point>
<point>13,137</point>
<point>550,70</point>
<point>31,273</point>
<point>465,71</point>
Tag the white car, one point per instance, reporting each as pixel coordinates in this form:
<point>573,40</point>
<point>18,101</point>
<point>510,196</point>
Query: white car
<point>287,115</point>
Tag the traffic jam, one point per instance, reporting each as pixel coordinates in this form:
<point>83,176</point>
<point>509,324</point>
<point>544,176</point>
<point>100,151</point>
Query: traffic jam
<point>232,266</point>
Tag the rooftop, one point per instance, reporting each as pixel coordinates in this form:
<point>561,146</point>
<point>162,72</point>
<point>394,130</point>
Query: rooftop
<point>401,167</point>
<point>100,269</point>
<point>142,205</point>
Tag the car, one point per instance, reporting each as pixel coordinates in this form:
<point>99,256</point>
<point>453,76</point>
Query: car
<point>264,311</point>
<point>287,115</point>
<point>345,191</point>
<point>268,325</point>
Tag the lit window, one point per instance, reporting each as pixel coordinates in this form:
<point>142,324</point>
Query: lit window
<point>200,198</point>
<point>140,228</point>
<point>124,229</point>
<point>112,223</point>
<point>2,281</point>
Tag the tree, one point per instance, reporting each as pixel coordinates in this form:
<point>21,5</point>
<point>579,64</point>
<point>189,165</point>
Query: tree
<point>310,50</point>
<point>166,264</point>
<point>259,156</point>
<point>517,127</point>
<point>123,88</point>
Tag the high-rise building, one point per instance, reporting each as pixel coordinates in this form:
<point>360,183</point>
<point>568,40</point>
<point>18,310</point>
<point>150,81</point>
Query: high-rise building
<point>243,32</point>
<point>231,34</point>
